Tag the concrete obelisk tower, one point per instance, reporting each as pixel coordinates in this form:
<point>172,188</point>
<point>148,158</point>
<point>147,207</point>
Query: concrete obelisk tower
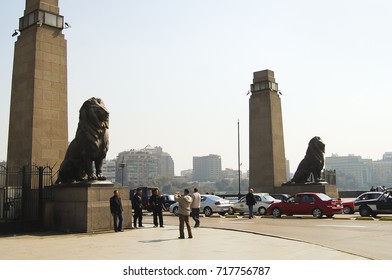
<point>267,161</point>
<point>38,128</point>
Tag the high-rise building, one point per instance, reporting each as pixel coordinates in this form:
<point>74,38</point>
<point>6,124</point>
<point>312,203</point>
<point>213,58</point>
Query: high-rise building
<point>352,172</point>
<point>382,171</point>
<point>109,170</point>
<point>141,167</point>
<point>207,168</point>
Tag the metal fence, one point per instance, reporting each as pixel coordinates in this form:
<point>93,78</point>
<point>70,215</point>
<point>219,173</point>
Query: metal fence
<point>22,195</point>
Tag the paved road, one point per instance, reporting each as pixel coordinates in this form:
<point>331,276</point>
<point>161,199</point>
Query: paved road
<point>366,238</point>
<point>218,238</point>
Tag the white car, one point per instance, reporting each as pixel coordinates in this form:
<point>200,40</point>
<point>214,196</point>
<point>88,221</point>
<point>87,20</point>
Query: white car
<point>209,204</point>
<point>263,200</point>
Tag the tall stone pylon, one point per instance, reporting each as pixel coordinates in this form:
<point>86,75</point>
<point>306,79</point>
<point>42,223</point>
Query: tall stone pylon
<point>267,162</point>
<point>38,127</point>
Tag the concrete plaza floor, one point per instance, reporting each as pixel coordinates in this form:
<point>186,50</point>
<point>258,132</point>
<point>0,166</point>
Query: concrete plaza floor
<point>150,243</point>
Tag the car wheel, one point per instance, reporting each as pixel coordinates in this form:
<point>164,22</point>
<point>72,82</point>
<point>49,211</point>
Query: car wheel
<point>175,211</point>
<point>231,211</point>
<point>365,211</point>
<point>276,212</point>
<point>207,211</point>
<point>317,213</point>
<point>347,210</point>
<point>262,211</point>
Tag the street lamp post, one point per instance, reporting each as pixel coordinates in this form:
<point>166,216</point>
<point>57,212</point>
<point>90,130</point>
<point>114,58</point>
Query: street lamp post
<point>239,162</point>
<point>122,165</point>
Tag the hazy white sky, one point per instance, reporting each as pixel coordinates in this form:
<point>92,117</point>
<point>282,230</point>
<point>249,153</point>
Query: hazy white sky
<point>175,73</point>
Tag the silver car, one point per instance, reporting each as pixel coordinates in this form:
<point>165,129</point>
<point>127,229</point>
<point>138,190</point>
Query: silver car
<point>263,200</point>
<point>209,204</point>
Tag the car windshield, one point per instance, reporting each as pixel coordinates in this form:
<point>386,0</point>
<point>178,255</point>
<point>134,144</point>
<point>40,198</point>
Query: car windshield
<point>323,196</point>
<point>214,197</point>
<point>268,197</point>
<point>367,196</point>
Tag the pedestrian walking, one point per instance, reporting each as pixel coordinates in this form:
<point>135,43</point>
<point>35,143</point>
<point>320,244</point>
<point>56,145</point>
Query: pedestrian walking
<point>250,201</point>
<point>195,207</point>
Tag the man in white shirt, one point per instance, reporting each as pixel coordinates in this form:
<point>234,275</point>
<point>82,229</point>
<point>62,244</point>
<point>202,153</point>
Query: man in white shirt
<point>195,207</point>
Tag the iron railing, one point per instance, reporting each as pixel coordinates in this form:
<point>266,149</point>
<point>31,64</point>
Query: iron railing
<point>22,195</point>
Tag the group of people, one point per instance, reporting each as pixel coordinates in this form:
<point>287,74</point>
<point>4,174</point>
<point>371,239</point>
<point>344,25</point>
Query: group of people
<point>188,205</point>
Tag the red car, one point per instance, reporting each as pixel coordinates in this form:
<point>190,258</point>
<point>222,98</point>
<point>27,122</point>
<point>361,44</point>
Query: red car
<point>316,204</point>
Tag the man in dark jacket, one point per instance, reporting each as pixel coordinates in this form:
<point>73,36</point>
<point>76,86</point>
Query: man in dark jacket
<point>250,201</point>
<point>116,209</point>
<point>156,203</point>
<point>137,205</point>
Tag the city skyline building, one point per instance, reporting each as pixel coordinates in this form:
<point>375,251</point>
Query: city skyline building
<point>207,168</point>
<point>109,169</point>
<point>141,167</point>
<point>352,172</point>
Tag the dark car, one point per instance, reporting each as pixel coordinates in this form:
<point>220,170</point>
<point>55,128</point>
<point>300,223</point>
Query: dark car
<point>316,204</point>
<point>168,199</point>
<point>349,206</point>
<point>381,205</point>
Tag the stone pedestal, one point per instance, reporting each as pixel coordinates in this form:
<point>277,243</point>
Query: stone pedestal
<point>84,207</point>
<point>330,190</point>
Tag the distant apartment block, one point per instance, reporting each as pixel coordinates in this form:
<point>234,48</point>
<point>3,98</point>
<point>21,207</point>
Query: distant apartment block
<point>109,170</point>
<point>382,171</point>
<point>141,167</point>
<point>352,172</point>
<point>187,174</point>
<point>207,168</point>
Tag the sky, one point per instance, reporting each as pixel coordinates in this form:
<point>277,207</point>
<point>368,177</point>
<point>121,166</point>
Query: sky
<point>176,73</point>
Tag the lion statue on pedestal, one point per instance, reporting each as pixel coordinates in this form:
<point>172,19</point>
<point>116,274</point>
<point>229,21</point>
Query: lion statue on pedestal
<point>90,145</point>
<point>313,163</point>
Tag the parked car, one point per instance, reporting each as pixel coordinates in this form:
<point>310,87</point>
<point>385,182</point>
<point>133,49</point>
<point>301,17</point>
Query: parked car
<point>263,200</point>
<point>209,204</point>
<point>349,206</point>
<point>316,204</point>
<point>381,205</point>
<point>168,199</point>
<point>280,196</point>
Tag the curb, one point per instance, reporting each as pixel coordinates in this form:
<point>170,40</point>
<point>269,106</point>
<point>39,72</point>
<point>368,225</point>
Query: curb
<point>365,219</point>
<point>231,217</point>
<point>385,219</point>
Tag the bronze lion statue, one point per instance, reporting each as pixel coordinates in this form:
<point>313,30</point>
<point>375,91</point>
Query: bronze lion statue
<point>313,163</point>
<point>90,145</point>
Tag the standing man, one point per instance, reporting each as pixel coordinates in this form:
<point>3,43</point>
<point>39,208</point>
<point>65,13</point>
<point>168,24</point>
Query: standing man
<point>116,209</point>
<point>156,202</point>
<point>250,201</point>
<point>137,205</point>
<point>195,207</point>
<point>184,210</point>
